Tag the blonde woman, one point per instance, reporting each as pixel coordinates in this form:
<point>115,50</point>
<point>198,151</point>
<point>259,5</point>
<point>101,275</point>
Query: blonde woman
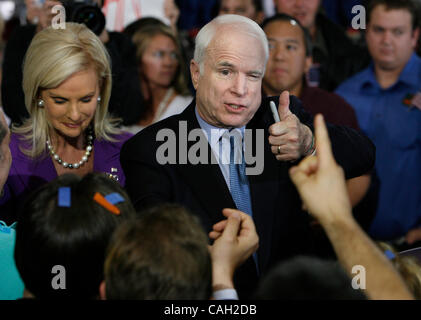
<point>162,78</point>
<point>67,84</point>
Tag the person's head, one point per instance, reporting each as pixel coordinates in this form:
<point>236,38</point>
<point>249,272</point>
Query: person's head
<point>290,57</point>
<point>229,63</point>
<point>75,237</point>
<point>162,255</point>
<point>251,9</point>
<point>138,24</point>
<point>407,266</point>
<point>65,72</point>
<point>159,58</point>
<point>304,11</point>
<point>392,32</point>
<point>307,278</point>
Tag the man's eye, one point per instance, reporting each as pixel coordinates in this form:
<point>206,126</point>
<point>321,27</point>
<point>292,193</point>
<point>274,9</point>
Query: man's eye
<point>291,47</point>
<point>397,32</point>
<point>254,76</point>
<point>225,72</point>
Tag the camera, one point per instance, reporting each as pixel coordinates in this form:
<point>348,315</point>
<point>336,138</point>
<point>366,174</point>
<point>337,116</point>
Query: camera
<point>87,12</point>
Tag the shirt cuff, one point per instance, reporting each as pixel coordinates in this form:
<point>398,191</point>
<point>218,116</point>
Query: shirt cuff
<point>225,294</point>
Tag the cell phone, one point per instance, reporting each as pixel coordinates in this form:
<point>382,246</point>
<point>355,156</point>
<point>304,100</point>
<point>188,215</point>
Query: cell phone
<point>274,111</point>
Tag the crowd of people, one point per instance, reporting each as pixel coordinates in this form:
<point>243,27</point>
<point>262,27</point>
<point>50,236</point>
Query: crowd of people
<point>241,157</point>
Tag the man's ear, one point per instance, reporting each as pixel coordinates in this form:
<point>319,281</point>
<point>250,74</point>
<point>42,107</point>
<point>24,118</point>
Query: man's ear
<point>415,36</point>
<point>195,73</point>
<point>102,290</point>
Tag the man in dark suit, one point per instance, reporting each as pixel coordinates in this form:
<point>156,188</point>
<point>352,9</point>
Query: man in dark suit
<point>229,62</point>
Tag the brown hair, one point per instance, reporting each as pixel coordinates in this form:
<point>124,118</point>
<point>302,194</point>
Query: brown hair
<point>408,5</point>
<point>142,38</point>
<point>163,255</point>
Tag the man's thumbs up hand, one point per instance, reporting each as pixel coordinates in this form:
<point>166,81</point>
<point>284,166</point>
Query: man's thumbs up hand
<point>289,138</point>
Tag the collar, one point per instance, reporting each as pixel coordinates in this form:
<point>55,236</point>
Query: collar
<point>409,75</point>
<point>213,133</point>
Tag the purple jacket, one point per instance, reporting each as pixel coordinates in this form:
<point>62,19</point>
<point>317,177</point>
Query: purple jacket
<point>27,174</point>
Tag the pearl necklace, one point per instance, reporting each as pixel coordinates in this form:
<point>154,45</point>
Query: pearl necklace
<point>75,165</point>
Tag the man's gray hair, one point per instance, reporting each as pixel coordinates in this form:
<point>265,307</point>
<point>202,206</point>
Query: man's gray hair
<point>243,24</point>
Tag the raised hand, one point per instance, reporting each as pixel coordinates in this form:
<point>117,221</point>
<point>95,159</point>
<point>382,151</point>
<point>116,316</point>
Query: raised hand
<point>320,180</point>
<point>236,240</point>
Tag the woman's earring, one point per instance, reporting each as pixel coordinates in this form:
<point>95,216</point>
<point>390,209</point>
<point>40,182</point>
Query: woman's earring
<point>98,99</point>
<point>41,103</point>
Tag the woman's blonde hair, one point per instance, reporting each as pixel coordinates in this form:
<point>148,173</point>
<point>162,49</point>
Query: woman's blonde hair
<point>408,267</point>
<point>52,57</point>
<point>143,37</point>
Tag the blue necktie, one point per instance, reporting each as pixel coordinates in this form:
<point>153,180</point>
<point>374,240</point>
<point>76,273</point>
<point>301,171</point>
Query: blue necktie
<point>239,185</point>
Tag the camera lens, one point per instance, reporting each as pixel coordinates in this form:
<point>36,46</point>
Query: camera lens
<point>90,15</point>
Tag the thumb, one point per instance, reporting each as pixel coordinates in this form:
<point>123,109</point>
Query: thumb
<point>283,107</point>
<point>233,226</point>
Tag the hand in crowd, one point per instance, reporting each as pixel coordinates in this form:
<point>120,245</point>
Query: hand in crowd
<point>236,240</point>
<point>413,235</point>
<point>289,138</point>
<point>320,180</point>
<point>33,10</point>
<point>172,12</point>
<point>46,14</point>
<point>321,184</point>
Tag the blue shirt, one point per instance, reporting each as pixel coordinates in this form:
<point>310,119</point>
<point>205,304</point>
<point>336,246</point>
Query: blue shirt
<point>395,129</point>
<point>221,150</point>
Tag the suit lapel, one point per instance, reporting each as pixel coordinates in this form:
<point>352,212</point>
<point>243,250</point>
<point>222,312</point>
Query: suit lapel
<point>206,180</point>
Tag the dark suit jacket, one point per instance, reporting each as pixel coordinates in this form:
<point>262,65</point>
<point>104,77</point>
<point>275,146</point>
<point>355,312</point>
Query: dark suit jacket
<point>282,226</point>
